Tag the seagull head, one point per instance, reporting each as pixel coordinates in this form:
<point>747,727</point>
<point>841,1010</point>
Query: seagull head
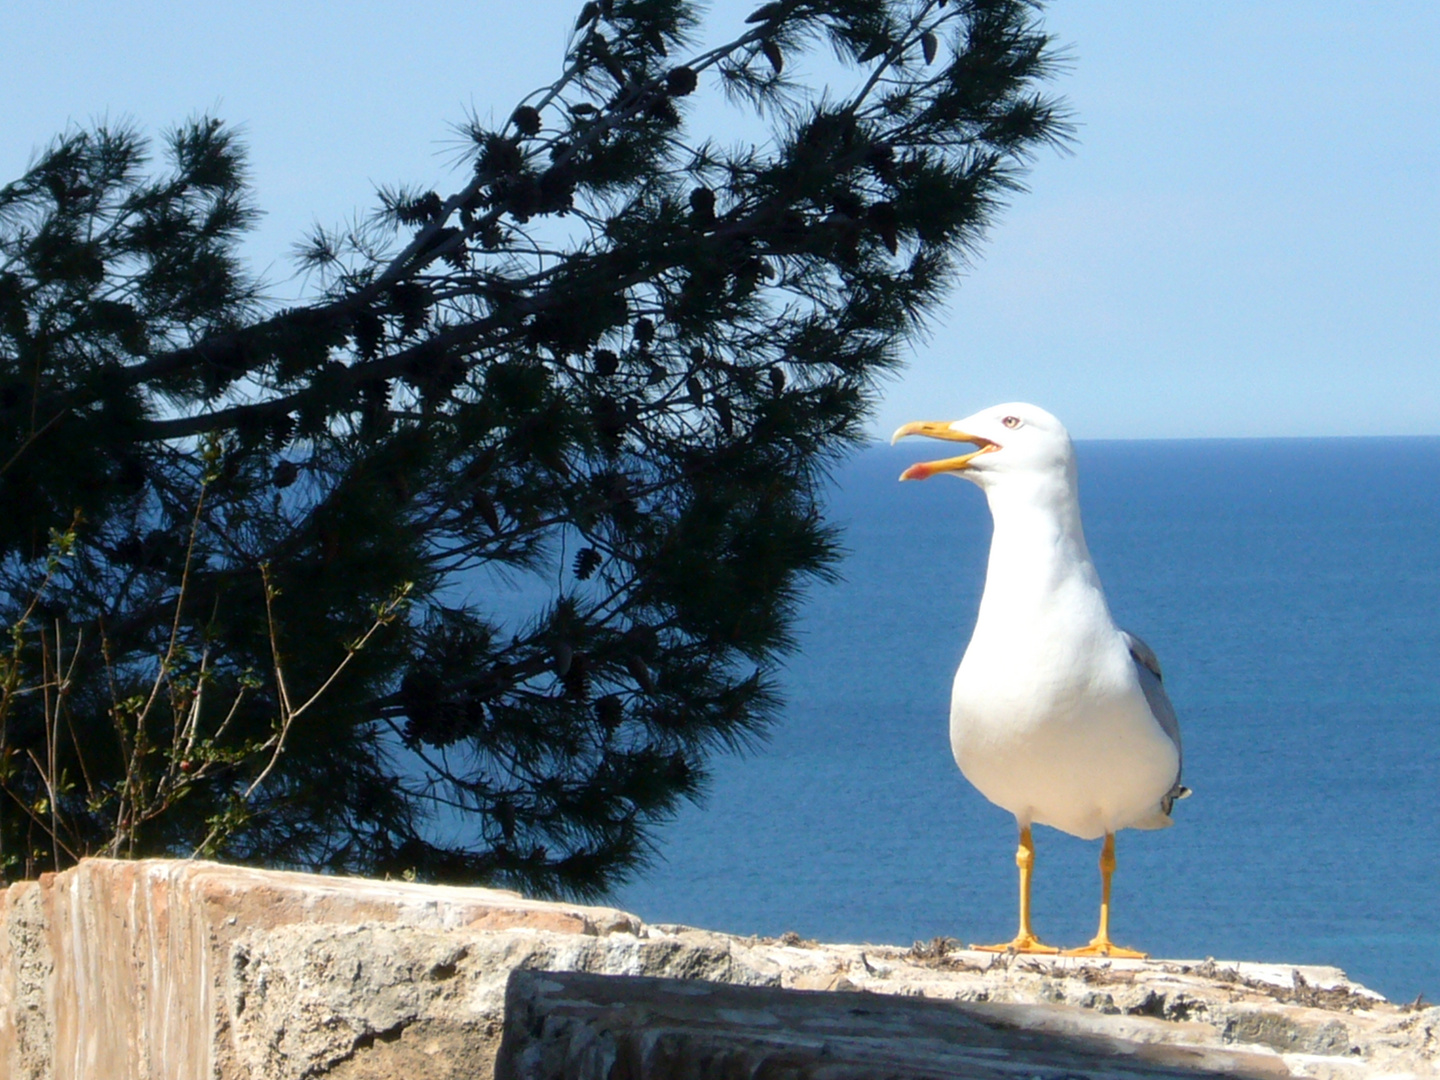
<point>1010,439</point>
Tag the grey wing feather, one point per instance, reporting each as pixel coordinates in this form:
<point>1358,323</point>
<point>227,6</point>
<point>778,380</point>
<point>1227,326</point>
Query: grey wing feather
<point>1147,668</point>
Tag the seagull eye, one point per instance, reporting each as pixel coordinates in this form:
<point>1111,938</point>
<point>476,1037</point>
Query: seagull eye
<point>1011,421</point>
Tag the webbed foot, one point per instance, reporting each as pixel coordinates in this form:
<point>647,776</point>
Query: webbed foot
<point>1023,943</point>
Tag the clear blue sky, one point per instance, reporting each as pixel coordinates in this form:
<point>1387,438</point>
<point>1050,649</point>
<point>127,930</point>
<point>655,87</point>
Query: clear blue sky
<point>1246,240</point>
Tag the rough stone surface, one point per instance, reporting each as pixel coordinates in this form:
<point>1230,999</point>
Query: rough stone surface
<point>118,970</point>
<point>26,1028</point>
<point>192,971</point>
<point>593,1027</point>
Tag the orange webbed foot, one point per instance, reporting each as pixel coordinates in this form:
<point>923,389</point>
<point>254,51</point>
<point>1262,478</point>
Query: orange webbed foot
<point>1106,947</point>
<point>1023,943</point>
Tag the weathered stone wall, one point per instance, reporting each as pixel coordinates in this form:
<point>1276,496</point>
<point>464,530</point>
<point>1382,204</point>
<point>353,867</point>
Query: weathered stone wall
<point>117,970</point>
<point>193,971</point>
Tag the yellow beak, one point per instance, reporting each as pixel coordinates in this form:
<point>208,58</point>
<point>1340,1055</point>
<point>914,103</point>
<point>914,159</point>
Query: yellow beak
<point>939,429</point>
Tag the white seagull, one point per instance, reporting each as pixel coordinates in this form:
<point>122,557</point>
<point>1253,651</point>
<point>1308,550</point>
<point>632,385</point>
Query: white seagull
<point>1057,715</point>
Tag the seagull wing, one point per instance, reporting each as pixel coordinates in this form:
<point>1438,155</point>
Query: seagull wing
<point>1147,668</point>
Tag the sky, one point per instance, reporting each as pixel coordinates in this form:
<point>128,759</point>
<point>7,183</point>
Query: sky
<point>1243,241</point>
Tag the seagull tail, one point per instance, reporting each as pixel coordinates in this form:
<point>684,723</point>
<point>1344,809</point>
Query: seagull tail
<point>1160,818</point>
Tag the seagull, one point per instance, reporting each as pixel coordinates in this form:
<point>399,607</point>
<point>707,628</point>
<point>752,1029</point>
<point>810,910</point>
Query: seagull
<point>1057,715</point>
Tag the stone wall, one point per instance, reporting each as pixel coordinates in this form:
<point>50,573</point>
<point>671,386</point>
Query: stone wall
<point>192,971</point>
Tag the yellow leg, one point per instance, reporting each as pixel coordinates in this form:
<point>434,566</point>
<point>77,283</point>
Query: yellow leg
<point>1025,941</point>
<point>1101,945</point>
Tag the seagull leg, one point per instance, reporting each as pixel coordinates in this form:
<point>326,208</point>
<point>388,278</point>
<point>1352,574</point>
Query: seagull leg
<point>1101,945</point>
<point>1025,941</point>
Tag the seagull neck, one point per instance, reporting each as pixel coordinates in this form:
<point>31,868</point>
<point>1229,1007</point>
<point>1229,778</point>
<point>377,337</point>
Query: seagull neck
<point>1038,543</point>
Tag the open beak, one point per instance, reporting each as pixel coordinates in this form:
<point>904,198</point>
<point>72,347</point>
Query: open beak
<point>938,429</point>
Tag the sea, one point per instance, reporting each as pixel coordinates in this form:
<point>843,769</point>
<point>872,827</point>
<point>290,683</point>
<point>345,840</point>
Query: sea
<point>1291,588</point>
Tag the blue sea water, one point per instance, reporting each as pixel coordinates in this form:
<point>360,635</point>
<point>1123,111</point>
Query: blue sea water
<point>1292,591</point>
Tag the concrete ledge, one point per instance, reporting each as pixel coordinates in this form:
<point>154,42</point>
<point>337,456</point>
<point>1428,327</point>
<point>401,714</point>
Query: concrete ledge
<point>196,971</point>
<point>596,1027</point>
<point>120,969</point>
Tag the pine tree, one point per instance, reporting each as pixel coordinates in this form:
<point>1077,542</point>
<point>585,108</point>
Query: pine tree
<point>255,560</point>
